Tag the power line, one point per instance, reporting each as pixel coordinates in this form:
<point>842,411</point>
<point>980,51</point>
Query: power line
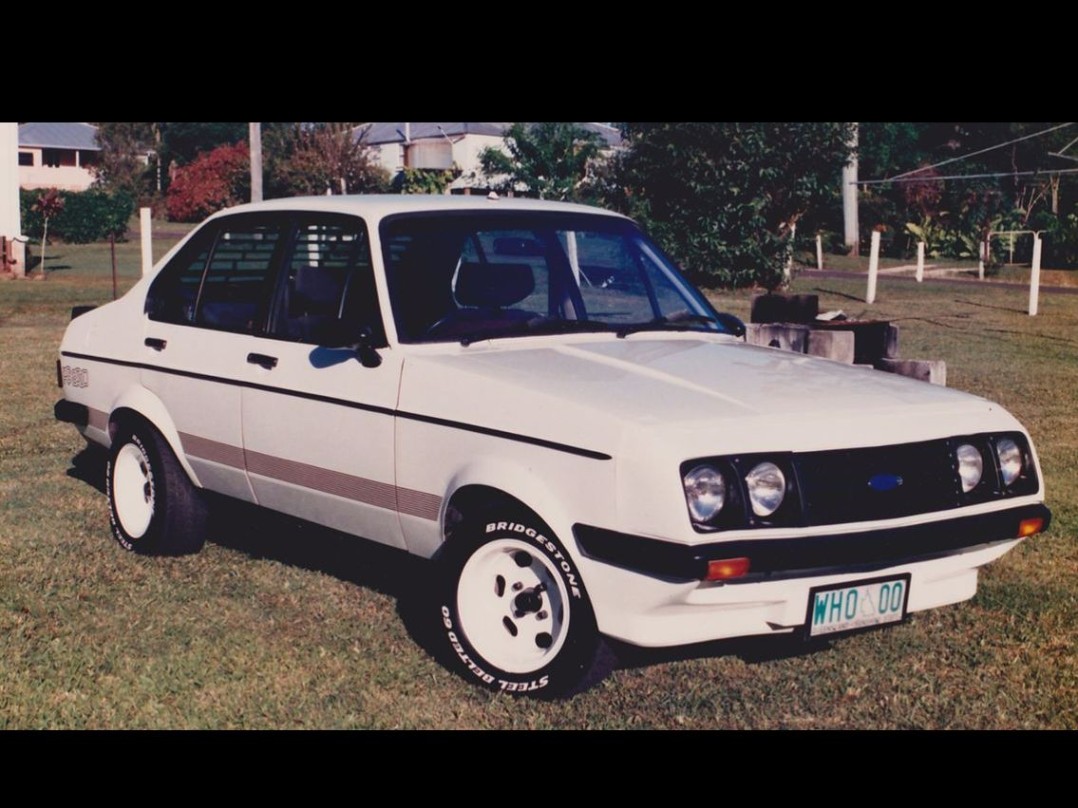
<point>905,178</point>
<point>980,151</point>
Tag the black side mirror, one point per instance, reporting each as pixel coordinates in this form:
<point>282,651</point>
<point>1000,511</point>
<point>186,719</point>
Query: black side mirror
<point>365,352</point>
<point>338,334</point>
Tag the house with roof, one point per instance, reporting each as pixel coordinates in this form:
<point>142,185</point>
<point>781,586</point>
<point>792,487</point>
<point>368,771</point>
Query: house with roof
<point>441,146</point>
<point>57,155</point>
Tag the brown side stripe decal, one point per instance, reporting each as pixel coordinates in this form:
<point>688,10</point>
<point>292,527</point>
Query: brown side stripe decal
<point>98,419</point>
<point>419,503</point>
<point>213,450</point>
<point>382,495</point>
<point>360,489</point>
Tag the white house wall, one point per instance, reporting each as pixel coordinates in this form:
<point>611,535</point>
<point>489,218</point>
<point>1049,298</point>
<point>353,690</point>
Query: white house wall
<point>67,178</point>
<point>466,151</point>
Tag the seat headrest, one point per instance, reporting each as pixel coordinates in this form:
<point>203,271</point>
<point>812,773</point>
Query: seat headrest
<point>493,285</point>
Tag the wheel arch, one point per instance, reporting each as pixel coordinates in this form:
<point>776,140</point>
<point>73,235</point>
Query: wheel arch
<point>494,482</point>
<point>469,502</point>
<point>140,405</point>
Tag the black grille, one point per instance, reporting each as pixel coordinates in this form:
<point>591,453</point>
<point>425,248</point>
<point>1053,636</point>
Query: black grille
<point>881,482</point>
<point>868,484</point>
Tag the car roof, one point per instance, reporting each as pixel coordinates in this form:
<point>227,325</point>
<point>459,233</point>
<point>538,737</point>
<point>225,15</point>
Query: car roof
<point>376,206</point>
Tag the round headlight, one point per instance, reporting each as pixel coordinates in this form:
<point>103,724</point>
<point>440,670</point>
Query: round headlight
<point>1010,460</point>
<point>767,487</point>
<point>705,492</point>
<point>970,466</point>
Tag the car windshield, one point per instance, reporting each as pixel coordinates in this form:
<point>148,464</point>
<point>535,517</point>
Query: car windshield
<point>468,276</point>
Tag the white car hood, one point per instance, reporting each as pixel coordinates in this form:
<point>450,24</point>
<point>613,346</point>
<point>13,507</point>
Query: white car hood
<point>683,394</point>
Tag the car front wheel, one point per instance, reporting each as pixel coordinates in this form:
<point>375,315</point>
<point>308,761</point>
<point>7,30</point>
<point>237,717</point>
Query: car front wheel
<point>153,506</point>
<point>515,613</point>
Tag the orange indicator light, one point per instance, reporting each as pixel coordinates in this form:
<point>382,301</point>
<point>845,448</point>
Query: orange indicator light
<point>1027,527</point>
<point>727,568</point>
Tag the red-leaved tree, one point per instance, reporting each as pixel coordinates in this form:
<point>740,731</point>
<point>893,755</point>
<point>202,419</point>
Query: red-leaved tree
<point>214,180</point>
<point>49,205</point>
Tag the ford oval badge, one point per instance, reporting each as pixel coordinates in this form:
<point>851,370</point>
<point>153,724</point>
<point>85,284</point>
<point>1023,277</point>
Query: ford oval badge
<point>884,482</point>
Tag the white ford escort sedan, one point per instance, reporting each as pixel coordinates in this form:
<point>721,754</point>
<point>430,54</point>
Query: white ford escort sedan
<point>530,395</point>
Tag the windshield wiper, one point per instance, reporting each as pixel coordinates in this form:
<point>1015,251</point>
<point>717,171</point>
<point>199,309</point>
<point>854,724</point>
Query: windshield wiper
<point>539,326</point>
<point>682,321</point>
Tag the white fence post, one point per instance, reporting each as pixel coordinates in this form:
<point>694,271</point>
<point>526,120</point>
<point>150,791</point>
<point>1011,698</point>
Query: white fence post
<point>147,245</point>
<point>920,261</point>
<point>873,267</point>
<point>980,260</point>
<point>819,251</point>
<point>1035,276</point>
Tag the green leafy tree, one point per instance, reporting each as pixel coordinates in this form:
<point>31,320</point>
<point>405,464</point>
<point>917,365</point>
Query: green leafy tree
<point>722,197</point>
<point>324,156</point>
<point>954,214</point>
<point>182,142</point>
<point>546,160</point>
<point>424,180</point>
<point>121,166</point>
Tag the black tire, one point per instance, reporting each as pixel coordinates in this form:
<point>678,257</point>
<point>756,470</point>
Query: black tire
<point>514,611</point>
<point>153,506</point>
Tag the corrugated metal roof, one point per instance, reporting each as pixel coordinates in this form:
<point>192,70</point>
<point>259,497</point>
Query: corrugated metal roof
<point>59,136</point>
<point>611,134</point>
<point>380,133</point>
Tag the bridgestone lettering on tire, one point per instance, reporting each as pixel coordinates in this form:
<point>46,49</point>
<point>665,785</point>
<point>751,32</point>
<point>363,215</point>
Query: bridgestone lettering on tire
<point>153,506</point>
<point>514,610</point>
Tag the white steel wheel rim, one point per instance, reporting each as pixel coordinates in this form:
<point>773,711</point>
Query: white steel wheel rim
<point>133,490</point>
<point>513,606</point>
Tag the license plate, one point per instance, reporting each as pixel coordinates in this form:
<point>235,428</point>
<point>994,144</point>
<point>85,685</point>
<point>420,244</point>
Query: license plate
<point>857,605</point>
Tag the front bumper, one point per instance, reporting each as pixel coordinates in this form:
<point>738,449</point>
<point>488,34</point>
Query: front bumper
<point>809,556</point>
<point>69,412</point>
<point>650,592</point>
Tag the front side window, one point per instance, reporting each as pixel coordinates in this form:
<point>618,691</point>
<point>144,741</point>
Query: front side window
<point>457,276</point>
<point>328,294</point>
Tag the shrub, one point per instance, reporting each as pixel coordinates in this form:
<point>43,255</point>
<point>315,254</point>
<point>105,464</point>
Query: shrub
<point>84,217</point>
<point>215,180</point>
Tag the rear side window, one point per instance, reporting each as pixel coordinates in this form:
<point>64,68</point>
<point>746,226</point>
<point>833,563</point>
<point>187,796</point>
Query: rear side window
<point>222,278</point>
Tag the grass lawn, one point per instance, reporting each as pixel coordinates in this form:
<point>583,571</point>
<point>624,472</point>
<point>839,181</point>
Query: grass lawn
<point>276,625</point>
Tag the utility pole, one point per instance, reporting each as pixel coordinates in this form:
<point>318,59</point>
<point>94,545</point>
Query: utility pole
<point>849,197</point>
<point>255,137</point>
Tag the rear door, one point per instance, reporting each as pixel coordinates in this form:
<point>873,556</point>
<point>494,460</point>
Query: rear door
<point>203,309</point>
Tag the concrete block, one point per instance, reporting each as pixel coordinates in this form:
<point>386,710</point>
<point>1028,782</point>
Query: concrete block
<point>890,342</point>
<point>837,345</point>
<point>933,371</point>
<point>786,336</point>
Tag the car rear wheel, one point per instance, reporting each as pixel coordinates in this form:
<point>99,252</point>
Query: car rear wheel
<point>153,506</point>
